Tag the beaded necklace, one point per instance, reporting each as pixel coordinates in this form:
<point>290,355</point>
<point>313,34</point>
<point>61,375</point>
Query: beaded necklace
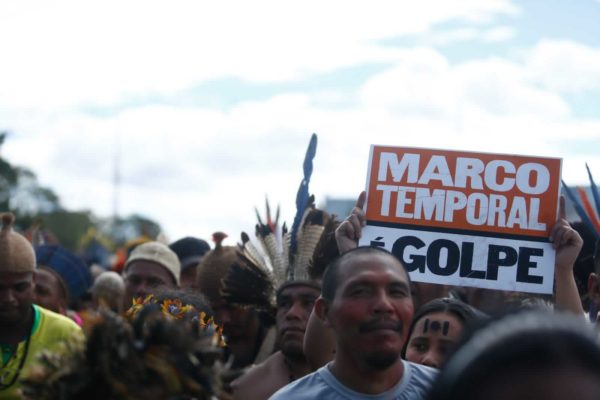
<point>4,375</point>
<point>21,364</point>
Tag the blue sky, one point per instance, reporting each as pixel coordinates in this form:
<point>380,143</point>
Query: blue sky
<point>211,106</point>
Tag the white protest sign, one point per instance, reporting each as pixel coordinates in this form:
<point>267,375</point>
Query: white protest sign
<point>466,219</point>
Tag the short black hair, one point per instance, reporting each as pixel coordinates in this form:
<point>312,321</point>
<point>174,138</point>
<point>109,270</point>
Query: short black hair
<point>330,277</point>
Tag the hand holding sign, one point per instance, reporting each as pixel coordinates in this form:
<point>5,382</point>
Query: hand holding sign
<point>567,243</point>
<point>350,230</point>
<point>467,219</point>
<point>565,240</point>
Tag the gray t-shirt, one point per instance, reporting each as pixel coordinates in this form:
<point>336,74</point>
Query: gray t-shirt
<point>321,384</point>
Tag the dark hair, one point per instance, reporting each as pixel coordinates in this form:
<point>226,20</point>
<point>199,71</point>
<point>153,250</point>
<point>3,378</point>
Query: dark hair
<point>466,314</point>
<point>62,285</point>
<point>189,251</point>
<point>330,277</point>
<point>186,296</point>
<point>536,341</point>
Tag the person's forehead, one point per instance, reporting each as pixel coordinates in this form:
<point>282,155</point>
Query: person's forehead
<point>438,322</point>
<point>369,265</point>
<point>145,268</point>
<point>11,278</point>
<point>44,275</point>
<point>298,291</point>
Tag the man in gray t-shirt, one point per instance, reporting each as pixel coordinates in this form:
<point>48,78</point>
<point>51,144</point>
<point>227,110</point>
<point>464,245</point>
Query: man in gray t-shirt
<point>366,300</point>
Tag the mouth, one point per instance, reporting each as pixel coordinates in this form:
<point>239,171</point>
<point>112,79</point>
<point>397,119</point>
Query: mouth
<point>292,329</point>
<point>381,325</point>
<point>8,312</point>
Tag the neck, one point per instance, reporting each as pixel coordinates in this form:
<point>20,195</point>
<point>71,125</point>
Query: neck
<point>297,367</point>
<point>245,348</point>
<point>361,378</point>
<point>12,334</point>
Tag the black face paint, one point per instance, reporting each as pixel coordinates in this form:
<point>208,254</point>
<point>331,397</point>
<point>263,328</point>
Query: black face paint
<point>446,328</point>
<point>436,326</point>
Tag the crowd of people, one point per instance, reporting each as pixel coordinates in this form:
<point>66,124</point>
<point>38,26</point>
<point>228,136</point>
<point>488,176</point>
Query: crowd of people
<point>299,314</point>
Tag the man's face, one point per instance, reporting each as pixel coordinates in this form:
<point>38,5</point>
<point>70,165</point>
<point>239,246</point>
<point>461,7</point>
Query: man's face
<point>16,296</point>
<point>48,291</point>
<point>236,321</point>
<point>294,305</point>
<point>188,277</point>
<point>143,277</point>
<point>372,310</point>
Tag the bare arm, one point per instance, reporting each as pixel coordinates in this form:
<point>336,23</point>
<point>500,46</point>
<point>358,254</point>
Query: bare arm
<point>567,243</point>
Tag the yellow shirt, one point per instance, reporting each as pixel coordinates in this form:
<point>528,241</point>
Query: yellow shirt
<point>49,330</point>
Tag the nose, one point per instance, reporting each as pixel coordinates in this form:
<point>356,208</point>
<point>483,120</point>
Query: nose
<point>7,296</point>
<point>383,303</point>
<point>296,311</point>
<point>430,359</point>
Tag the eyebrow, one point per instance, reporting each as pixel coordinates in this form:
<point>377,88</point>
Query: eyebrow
<point>401,284</point>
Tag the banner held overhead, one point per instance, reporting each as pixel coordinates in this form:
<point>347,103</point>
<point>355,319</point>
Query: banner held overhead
<point>463,218</point>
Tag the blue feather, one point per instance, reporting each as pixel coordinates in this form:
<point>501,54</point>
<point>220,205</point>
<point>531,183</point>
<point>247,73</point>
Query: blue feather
<point>302,196</point>
<point>594,191</point>
<point>579,208</point>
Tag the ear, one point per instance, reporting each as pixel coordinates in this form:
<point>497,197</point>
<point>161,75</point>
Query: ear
<point>322,310</point>
<point>594,288</point>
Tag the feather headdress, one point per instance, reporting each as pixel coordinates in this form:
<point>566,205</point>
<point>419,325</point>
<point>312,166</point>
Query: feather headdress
<point>284,256</point>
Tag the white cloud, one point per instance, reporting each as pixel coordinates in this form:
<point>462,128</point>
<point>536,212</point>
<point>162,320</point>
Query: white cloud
<point>469,33</point>
<point>68,52</point>
<point>565,66</point>
<point>498,34</point>
<point>200,169</point>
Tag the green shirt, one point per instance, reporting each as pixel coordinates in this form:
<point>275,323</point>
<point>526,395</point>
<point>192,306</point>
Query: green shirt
<point>49,330</point>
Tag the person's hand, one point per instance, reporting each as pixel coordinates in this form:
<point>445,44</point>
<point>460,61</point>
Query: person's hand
<point>350,230</point>
<point>566,241</point>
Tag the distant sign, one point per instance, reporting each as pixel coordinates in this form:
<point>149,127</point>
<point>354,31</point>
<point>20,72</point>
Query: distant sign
<point>468,219</point>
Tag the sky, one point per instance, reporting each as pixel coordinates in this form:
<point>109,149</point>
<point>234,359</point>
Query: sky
<point>208,107</point>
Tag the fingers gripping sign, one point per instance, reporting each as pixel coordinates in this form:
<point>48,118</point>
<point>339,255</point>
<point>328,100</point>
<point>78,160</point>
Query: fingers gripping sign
<point>350,230</point>
<point>565,240</point>
<point>567,243</point>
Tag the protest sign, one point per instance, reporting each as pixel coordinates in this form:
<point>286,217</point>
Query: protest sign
<point>462,218</point>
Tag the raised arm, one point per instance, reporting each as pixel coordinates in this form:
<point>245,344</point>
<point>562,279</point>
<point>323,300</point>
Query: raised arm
<point>350,230</point>
<point>567,243</point>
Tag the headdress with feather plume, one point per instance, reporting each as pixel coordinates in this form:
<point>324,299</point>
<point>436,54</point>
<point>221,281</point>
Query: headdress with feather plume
<point>288,257</point>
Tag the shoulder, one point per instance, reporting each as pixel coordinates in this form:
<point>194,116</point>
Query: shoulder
<point>56,325</point>
<point>312,386</point>
<point>422,372</point>
<point>260,381</point>
<point>419,379</point>
<point>267,346</point>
